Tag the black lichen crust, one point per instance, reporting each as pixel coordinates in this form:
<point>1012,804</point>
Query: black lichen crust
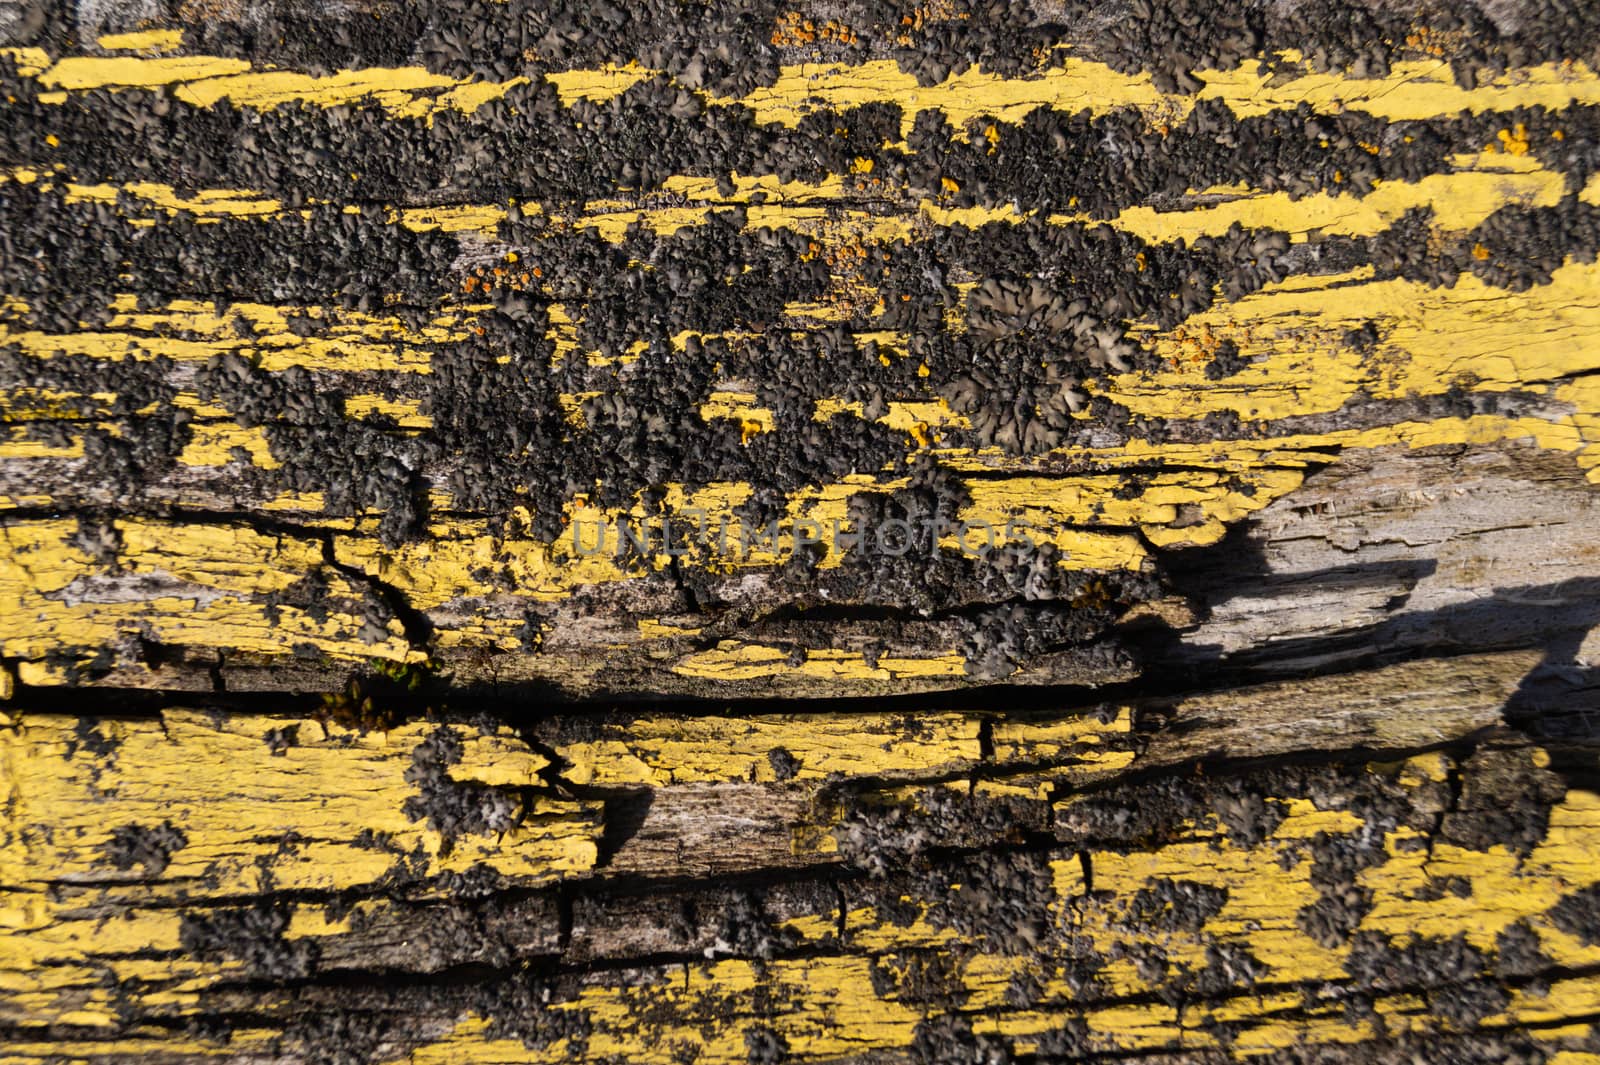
<point>151,846</point>
<point>253,936</point>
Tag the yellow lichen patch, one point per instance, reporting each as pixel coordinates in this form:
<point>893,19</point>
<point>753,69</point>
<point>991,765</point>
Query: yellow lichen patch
<point>1513,141</point>
<point>663,751</point>
<point>792,29</point>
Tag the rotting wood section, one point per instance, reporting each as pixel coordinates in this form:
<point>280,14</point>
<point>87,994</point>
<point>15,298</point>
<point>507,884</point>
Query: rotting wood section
<point>325,740</point>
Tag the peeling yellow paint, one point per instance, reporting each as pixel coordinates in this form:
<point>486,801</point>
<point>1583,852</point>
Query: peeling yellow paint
<point>1411,90</point>
<point>154,40</point>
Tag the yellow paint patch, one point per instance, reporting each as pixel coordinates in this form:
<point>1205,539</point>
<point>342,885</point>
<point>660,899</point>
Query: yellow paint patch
<point>238,790</point>
<point>659,752</point>
<point>732,661</point>
<point>161,40</point>
<point>1411,90</point>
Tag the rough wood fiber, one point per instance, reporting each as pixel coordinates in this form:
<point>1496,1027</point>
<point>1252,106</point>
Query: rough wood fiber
<point>329,339</point>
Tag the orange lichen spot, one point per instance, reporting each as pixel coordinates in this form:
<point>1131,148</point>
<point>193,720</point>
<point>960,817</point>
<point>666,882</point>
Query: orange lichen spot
<point>936,11</point>
<point>1093,596</point>
<point>1190,347</point>
<point>749,429</point>
<point>792,28</point>
<point>1514,141</point>
<point>1480,253</point>
<point>1435,42</point>
<point>1139,261</point>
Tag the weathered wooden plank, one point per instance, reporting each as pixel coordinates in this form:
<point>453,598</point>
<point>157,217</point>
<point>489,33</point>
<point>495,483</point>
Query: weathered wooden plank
<point>1228,378</point>
<point>1152,914</point>
<point>286,846</point>
<point>1240,322</point>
